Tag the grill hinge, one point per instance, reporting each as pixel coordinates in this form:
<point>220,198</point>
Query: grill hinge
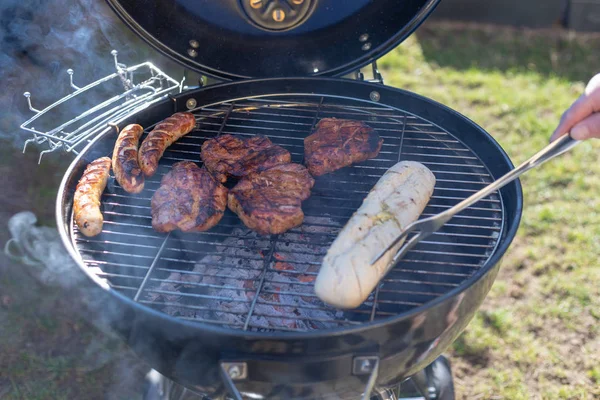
<point>377,77</point>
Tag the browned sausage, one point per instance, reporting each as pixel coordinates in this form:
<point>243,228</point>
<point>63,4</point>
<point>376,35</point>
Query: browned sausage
<point>86,203</point>
<point>162,136</point>
<point>125,159</point>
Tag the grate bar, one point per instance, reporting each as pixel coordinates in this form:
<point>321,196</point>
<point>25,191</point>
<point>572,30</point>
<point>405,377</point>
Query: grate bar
<point>300,143</point>
<point>308,226</point>
<point>416,271</point>
<point>194,295</point>
<point>154,262</point>
<point>122,287</point>
<point>318,189</point>
<point>434,197</point>
<point>437,148</point>
<point>114,253</point>
<point>267,261</point>
<point>279,251</point>
<point>375,301</point>
<point>102,273</point>
<point>436,140</point>
<point>409,260</point>
<point>391,280</point>
<point>141,235</point>
<point>211,321</point>
<point>437,155</point>
<point>116,264</point>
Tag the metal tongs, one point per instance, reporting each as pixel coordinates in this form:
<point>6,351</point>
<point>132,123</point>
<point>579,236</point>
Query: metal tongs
<point>427,226</point>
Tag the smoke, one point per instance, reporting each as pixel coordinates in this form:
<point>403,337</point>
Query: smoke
<point>42,249</point>
<point>41,39</point>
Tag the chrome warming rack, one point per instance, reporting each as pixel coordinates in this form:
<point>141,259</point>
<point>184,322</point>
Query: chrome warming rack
<point>142,85</point>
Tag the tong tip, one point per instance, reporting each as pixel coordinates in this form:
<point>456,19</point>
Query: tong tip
<point>378,256</point>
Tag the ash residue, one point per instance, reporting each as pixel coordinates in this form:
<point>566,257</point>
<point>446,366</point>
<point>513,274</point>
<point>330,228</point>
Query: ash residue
<point>222,287</point>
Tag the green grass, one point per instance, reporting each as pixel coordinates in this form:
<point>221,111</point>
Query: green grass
<point>47,351</point>
<point>537,334</point>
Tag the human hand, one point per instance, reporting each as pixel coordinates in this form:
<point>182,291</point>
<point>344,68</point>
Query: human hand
<point>582,119</point>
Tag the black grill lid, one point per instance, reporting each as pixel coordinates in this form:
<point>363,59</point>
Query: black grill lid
<point>233,39</point>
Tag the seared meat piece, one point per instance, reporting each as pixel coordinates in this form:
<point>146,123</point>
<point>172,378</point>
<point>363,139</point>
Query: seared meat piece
<point>230,155</point>
<point>338,143</point>
<point>189,198</point>
<point>268,202</point>
<point>162,136</point>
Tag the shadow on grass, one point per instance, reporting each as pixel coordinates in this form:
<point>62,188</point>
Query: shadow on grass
<point>551,53</point>
<point>48,350</point>
<point>475,356</point>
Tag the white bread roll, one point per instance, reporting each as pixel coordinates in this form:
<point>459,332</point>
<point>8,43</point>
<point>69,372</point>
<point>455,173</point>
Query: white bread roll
<point>346,277</point>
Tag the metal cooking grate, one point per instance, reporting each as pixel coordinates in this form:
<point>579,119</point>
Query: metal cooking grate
<point>233,277</point>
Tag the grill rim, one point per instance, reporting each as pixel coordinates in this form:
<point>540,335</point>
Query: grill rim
<point>64,206</point>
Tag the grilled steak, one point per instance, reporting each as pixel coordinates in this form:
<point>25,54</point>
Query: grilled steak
<point>338,143</point>
<point>189,199</point>
<point>269,202</point>
<point>162,136</point>
<point>229,155</point>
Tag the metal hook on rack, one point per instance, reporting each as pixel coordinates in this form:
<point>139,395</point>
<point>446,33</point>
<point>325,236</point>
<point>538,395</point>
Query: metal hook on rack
<point>118,66</point>
<point>53,147</point>
<point>125,75</point>
<point>28,97</point>
<point>70,72</point>
<point>35,139</point>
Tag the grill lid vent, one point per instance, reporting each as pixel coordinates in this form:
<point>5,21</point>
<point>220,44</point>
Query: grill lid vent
<point>237,39</point>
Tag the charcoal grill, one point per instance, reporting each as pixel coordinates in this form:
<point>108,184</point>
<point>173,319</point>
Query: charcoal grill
<point>230,311</point>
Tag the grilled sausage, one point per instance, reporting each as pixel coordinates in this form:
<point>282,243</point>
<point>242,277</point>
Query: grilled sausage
<point>346,277</point>
<point>162,136</point>
<point>86,202</point>
<point>125,159</point>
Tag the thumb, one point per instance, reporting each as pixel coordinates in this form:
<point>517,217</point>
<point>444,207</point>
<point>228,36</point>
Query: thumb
<point>587,129</point>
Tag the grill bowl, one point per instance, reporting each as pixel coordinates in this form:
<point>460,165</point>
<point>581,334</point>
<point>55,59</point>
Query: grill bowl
<point>184,321</point>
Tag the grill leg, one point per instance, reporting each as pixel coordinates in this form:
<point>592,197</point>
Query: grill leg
<point>435,381</point>
<point>384,394</point>
<point>160,388</point>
